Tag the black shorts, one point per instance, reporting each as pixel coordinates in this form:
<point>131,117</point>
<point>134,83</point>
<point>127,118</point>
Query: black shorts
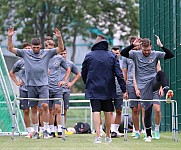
<point>102,105</point>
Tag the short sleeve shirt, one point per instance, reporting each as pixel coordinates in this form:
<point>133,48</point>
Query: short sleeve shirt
<point>36,65</point>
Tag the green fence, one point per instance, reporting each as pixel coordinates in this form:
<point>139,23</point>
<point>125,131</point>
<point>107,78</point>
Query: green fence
<point>163,18</point>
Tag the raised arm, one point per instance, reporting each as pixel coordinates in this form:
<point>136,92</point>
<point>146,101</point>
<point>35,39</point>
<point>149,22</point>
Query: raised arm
<point>60,47</point>
<point>125,51</point>
<point>168,53</point>
<point>10,43</point>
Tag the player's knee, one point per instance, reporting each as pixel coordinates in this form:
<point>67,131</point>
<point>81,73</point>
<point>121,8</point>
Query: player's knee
<point>45,107</point>
<point>34,109</point>
<point>58,110</point>
<point>26,112</point>
<point>118,111</point>
<point>157,111</point>
<point>134,111</point>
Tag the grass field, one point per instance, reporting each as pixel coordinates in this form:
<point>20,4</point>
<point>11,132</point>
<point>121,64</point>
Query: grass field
<point>85,142</point>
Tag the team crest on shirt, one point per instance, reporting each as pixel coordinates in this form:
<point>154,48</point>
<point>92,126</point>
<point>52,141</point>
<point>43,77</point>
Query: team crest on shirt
<point>150,60</point>
<point>55,63</point>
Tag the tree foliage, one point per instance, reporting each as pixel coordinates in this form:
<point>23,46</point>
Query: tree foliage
<point>73,17</point>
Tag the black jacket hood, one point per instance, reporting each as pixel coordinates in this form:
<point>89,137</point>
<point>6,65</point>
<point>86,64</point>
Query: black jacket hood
<point>103,45</point>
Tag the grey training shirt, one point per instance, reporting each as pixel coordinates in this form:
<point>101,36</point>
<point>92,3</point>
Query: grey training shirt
<point>36,65</point>
<point>19,67</point>
<point>54,77</point>
<point>73,69</point>
<point>129,65</point>
<point>145,67</point>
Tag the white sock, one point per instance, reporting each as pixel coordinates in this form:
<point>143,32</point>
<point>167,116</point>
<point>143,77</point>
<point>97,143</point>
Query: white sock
<point>101,129</point>
<point>59,128</point>
<point>157,127</point>
<point>116,126</point>
<point>56,128</point>
<point>46,126</point>
<point>133,128</point>
<point>29,129</point>
<point>35,127</point>
<point>41,129</point>
<point>112,127</point>
<point>52,129</point>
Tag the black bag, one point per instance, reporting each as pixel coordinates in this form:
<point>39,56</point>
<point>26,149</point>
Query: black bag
<point>82,128</point>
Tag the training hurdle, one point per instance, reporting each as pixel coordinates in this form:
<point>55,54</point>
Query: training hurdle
<point>39,99</point>
<point>174,116</point>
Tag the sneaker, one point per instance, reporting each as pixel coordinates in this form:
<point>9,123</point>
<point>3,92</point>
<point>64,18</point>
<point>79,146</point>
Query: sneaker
<point>157,135</point>
<point>108,139</point>
<point>148,139</point>
<point>46,135</point>
<point>133,134</point>
<point>59,135</point>
<point>52,134</point>
<point>113,134</point>
<point>120,134</point>
<point>29,135</point>
<point>137,136</point>
<point>36,136</point>
<point>169,96</point>
<point>144,136</point>
<point>98,140</point>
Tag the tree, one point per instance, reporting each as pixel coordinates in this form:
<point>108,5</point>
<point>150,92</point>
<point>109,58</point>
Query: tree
<point>73,17</point>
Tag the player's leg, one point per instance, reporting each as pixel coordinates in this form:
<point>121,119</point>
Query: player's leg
<point>161,78</point>
<point>32,93</point>
<point>148,114</point>
<point>40,118</point>
<point>108,108</point>
<point>44,93</point>
<point>115,123</point>
<point>96,109</point>
<point>66,98</point>
<point>135,110</point>
<point>157,117</point>
<point>24,106</point>
<point>52,117</point>
<point>147,94</point>
<point>57,107</point>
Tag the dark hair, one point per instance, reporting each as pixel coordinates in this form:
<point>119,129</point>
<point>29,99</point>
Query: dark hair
<point>145,42</point>
<point>35,41</point>
<point>25,44</point>
<point>48,38</point>
<point>115,48</point>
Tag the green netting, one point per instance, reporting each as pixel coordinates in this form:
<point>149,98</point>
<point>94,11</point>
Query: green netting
<point>5,113</point>
<point>163,18</point>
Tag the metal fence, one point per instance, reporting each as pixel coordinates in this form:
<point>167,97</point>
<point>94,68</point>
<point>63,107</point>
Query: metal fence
<point>163,18</point>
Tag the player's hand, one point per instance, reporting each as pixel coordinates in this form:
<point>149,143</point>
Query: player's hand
<point>11,31</point>
<point>159,43</point>
<point>61,83</point>
<point>125,96</point>
<point>20,83</point>
<point>137,42</point>
<point>69,85</point>
<point>161,92</point>
<point>138,93</point>
<point>57,33</point>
